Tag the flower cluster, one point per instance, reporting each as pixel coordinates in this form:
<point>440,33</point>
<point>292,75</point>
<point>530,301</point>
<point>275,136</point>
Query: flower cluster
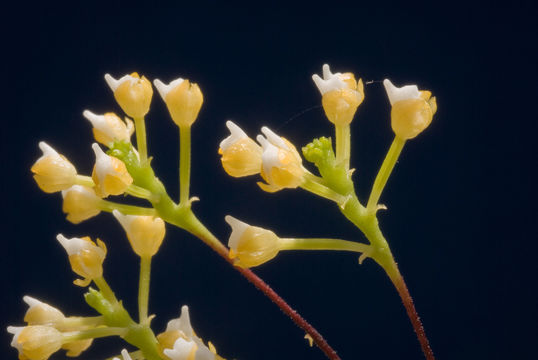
<point>121,168</point>
<point>48,330</point>
<point>281,166</point>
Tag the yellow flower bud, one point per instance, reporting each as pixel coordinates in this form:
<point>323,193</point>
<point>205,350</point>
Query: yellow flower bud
<point>52,171</point>
<point>282,166</point>
<point>251,245</point>
<point>39,313</point>
<point>75,348</point>
<point>109,174</point>
<point>412,110</point>
<point>132,93</point>
<point>109,127</point>
<point>341,95</point>
<point>36,342</point>
<point>241,156</point>
<point>80,203</point>
<point>183,100</point>
<point>86,258</point>
<point>145,233</point>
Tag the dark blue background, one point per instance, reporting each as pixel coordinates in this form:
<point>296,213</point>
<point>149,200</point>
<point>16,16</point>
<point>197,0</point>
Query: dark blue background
<point>461,219</point>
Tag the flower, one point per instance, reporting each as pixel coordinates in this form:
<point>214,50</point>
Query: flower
<point>86,258</point>
<point>179,342</point>
<point>251,245</point>
<point>341,95</point>
<point>110,174</point>
<point>80,203</point>
<point>35,342</point>
<point>241,156</point>
<point>145,233</point>
<point>183,100</point>
<point>109,127</point>
<point>412,109</point>
<point>40,313</point>
<point>281,163</point>
<point>52,171</point>
<point>132,93</point>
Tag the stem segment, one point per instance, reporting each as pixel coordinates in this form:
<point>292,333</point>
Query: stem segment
<point>401,287</point>
<point>141,145</point>
<point>343,144</point>
<point>384,173</point>
<point>184,163</point>
<point>143,289</point>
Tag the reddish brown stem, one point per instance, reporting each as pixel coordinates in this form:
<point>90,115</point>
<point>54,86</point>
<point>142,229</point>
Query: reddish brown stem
<point>399,283</point>
<point>271,294</point>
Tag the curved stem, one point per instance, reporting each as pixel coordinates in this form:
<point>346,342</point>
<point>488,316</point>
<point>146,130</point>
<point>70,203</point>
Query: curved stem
<point>105,289</point>
<point>140,192</point>
<point>384,173</point>
<point>313,184</point>
<point>93,333</point>
<point>143,289</point>
<point>141,145</point>
<point>184,163</point>
<point>398,281</point>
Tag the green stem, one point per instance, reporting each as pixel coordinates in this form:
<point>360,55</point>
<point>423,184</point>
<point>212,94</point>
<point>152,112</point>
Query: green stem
<point>93,333</point>
<point>139,192</point>
<point>105,289</point>
<point>184,163</point>
<point>343,144</point>
<point>77,322</point>
<point>109,206</point>
<point>84,181</point>
<point>322,244</point>
<point>141,145</point>
<point>314,185</point>
<point>384,173</point>
<point>143,289</point>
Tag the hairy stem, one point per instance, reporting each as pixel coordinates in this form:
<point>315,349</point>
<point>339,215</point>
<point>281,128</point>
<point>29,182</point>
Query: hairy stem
<point>200,231</point>
<point>398,281</point>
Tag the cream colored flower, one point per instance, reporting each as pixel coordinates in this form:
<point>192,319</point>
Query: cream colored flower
<point>183,100</point>
<point>85,256</point>
<point>52,171</point>
<point>110,174</point>
<point>179,341</point>
<point>145,233</point>
<point>282,166</point>
<point>40,313</point>
<point>132,93</point>
<point>412,109</point>
<point>241,156</point>
<point>251,245</point>
<point>109,127</point>
<point>35,342</point>
<point>80,203</point>
<point>341,95</point>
